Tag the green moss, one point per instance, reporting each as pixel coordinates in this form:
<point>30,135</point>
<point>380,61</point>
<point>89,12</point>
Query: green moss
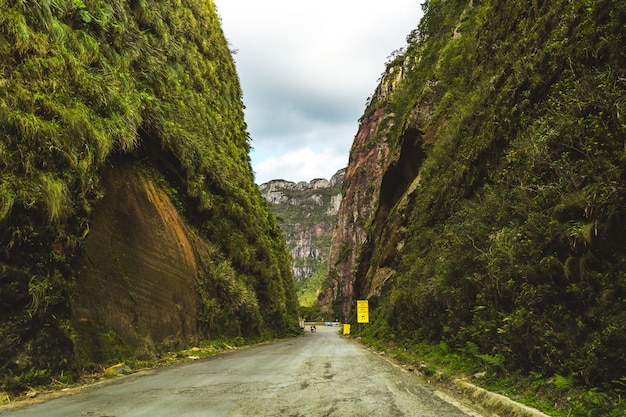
<point>86,83</point>
<point>94,347</point>
<point>514,238</point>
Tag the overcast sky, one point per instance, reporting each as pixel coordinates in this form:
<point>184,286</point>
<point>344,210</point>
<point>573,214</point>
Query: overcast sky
<point>307,68</point>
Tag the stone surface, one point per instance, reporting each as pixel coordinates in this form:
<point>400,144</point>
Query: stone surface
<point>360,196</point>
<point>306,213</point>
<point>494,403</point>
<point>378,183</point>
<point>137,284</point>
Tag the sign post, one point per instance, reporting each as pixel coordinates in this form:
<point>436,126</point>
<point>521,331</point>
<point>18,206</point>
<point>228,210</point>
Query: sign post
<point>362,311</point>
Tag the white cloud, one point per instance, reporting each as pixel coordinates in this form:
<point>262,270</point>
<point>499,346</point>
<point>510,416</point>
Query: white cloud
<point>306,68</point>
<point>303,164</point>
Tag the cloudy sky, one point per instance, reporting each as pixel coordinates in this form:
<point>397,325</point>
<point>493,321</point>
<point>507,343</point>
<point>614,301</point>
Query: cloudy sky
<point>307,68</point>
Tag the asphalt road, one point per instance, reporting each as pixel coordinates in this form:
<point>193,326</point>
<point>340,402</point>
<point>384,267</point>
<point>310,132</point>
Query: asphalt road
<point>318,374</point>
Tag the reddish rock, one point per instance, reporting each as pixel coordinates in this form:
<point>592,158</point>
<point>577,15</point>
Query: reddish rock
<point>139,273</point>
<point>368,158</point>
<point>380,180</point>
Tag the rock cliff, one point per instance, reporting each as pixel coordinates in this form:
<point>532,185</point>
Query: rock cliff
<point>376,177</point>
<point>306,212</point>
<point>483,200</point>
<point>130,222</point>
<point>139,271</point>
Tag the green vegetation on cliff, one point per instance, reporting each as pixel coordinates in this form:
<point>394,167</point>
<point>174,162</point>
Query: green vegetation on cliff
<point>84,85</point>
<point>306,213</point>
<point>515,246</point>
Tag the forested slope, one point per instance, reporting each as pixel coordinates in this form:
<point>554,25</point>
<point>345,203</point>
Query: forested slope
<point>497,228</point>
<point>125,177</point>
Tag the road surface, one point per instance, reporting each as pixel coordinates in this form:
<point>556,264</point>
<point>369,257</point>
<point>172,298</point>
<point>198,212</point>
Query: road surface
<point>318,374</point>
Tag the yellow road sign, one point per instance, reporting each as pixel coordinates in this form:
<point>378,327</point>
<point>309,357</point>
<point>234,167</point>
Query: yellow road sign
<point>362,311</point>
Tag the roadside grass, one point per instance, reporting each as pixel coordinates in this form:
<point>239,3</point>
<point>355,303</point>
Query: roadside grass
<point>556,395</point>
<point>86,377</point>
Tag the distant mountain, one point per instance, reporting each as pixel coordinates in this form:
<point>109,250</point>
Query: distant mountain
<point>306,212</point>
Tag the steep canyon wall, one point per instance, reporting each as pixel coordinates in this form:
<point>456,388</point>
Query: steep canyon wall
<point>306,212</point>
<point>130,222</point>
<point>484,192</point>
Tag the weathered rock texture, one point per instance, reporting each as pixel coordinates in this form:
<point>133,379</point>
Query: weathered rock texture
<point>484,201</point>
<point>139,273</point>
<point>306,212</point>
<point>375,180</point>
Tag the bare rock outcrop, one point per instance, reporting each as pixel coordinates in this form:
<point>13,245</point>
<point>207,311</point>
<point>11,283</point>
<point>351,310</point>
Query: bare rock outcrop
<point>139,270</point>
<point>306,212</point>
<point>368,234</point>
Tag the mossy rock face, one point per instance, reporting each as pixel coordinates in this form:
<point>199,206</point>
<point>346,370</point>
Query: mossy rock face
<point>87,87</point>
<point>500,206</point>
